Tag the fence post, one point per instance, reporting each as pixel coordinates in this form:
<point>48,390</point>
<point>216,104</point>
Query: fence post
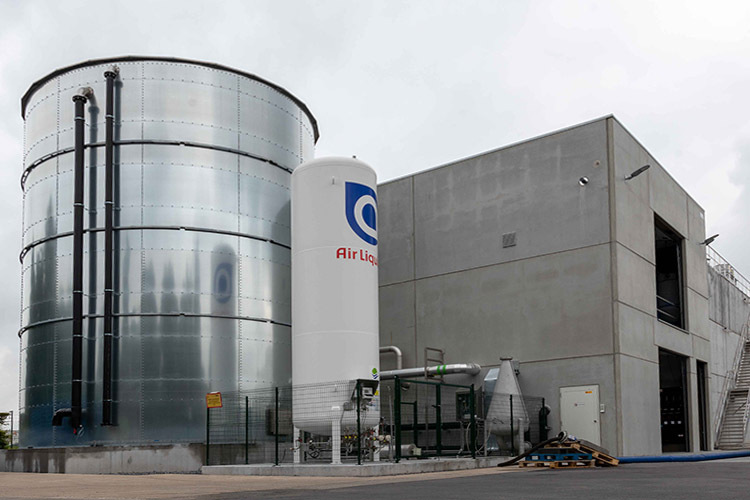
<point>415,424</point>
<point>512,434</point>
<point>276,424</point>
<point>543,422</point>
<point>438,421</point>
<point>397,418</point>
<point>247,427</point>
<point>472,423</point>
<point>208,433</point>
<point>359,423</point>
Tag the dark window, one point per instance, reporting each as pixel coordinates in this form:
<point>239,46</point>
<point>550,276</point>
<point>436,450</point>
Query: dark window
<point>669,301</point>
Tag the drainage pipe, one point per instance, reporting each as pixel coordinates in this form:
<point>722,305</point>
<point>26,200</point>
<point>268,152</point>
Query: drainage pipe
<point>557,439</point>
<point>110,75</point>
<point>79,101</point>
<point>688,457</point>
<point>395,350</point>
<point>468,368</point>
<point>74,412</point>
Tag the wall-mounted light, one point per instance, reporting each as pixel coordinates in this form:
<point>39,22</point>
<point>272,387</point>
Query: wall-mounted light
<point>583,181</point>
<point>637,172</point>
<point>710,240</point>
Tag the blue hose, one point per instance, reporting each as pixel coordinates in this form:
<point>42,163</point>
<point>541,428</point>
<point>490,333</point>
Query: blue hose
<point>698,457</point>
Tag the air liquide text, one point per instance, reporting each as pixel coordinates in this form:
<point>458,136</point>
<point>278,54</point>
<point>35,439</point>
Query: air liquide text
<point>356,254</point>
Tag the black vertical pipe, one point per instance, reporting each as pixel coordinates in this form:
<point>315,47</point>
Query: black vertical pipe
<point>543,429</point>
<point>247,428</point>
<point>79,101</point>
<point>108,255</point>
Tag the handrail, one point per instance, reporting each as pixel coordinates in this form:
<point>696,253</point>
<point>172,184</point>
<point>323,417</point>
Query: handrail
<point>730,382</point>
<point>727,271</point>
<point>747,398</point>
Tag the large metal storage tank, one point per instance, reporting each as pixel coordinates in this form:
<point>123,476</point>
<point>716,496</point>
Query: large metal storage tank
<point>335,338</point>
<point>201,255</point>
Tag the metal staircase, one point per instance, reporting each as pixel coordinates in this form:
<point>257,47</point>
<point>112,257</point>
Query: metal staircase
<point>735,415</point>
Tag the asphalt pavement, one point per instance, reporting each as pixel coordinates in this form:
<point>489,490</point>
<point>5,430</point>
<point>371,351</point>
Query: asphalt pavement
<point>716,480</point>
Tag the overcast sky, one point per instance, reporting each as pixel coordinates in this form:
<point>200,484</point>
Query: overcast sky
<point>408,85</point>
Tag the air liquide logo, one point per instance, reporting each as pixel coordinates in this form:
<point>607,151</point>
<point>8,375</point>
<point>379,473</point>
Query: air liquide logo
<point>361,211</point>
<point>223,282</point>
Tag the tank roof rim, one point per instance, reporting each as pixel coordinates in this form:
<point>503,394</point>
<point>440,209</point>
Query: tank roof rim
<point>335,160</point>
<point>133,58</point>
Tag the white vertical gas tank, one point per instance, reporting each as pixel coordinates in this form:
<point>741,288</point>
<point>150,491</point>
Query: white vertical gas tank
<point>334,292</point>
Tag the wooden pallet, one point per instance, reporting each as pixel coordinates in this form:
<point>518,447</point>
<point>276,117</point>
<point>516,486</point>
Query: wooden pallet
<point>600,457</point>
<point>559,455</point>
<point>572,464</point>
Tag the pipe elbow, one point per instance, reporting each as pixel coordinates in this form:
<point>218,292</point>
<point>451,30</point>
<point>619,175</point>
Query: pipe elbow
<point>84,94</point>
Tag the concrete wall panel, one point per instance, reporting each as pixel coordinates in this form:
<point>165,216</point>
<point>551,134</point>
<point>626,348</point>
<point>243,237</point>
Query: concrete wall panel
<point>672,339</point>
<point>695,253</point>
<point>397,325</point>
<point>636,283</point>
<point>547,307</point>
<point>697,314</point>
<point>633,215</point>
<point>668,199</point>
<point>462,210</point>
<point>702,349</point>
<point>396,231</point>
<point>637,334</point>
<point>639,388</point>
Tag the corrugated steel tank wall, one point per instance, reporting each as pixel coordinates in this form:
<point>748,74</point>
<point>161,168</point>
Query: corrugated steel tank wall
<point>201,246</point>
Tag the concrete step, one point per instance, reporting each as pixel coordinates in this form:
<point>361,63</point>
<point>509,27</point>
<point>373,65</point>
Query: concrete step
<point>730,446</point>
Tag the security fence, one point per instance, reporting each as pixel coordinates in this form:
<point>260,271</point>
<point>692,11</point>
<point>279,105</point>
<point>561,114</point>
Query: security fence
<point>393,420</point>
<point>434,419</point>
<point>257,426</point>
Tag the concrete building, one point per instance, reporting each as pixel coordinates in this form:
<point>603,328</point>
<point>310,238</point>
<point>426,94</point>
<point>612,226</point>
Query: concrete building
<point>543,251</point>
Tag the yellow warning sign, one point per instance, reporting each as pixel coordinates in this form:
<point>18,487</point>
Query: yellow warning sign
<point>213,400</point>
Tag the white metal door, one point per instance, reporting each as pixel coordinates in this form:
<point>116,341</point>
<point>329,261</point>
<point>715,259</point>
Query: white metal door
<point>579,412</point>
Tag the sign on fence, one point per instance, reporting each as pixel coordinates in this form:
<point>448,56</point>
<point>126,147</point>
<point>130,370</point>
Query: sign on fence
<point>213,400</point>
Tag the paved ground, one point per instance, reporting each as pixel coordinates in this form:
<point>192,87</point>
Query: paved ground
<point>718,480</point>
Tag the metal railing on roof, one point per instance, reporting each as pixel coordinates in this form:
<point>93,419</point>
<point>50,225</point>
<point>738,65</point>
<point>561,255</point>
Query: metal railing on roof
<point>727,271</point>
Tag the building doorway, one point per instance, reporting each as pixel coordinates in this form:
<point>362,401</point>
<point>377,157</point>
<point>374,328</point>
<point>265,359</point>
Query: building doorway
<point>702,374</point>
<point>673,397</point>
<point>579,412</point>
